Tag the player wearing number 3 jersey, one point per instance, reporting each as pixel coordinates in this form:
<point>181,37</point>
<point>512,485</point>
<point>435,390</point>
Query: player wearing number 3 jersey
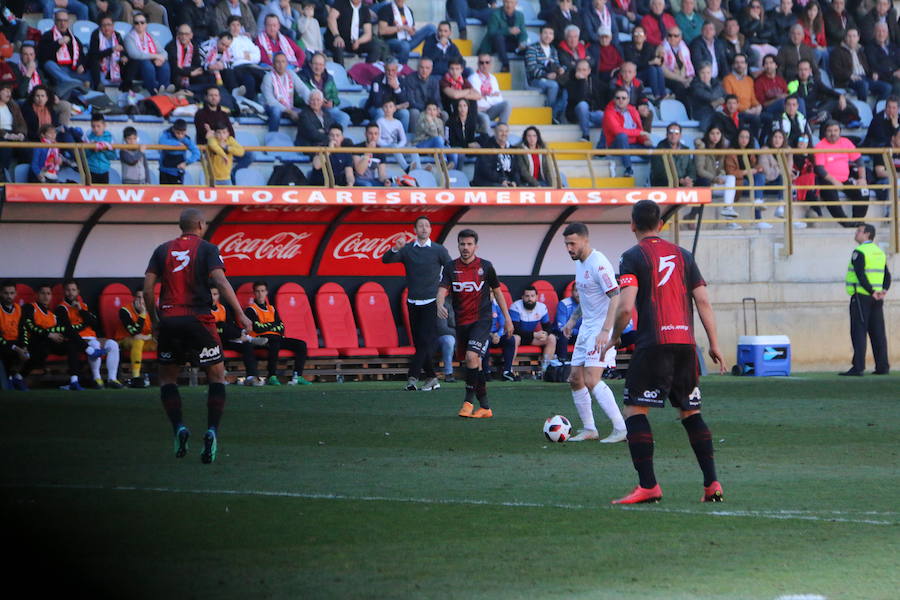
<point>664,281</point>
<point>185,325</point>
<point>598,293</point>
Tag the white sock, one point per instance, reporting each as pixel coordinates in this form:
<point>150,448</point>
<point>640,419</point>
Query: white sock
<point>73,379</point>
<point>112,360</point>
<point>582,400</point>
<point>607,402</point>
<point>17,376</point>
<point>95,367</point>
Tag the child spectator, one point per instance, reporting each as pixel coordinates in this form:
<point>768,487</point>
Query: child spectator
<point>45,162</point>
<point>222,149</point>
<point>134,162</point>
<point>392,132</point>
<point>98,159</point>
<point>308,29</point>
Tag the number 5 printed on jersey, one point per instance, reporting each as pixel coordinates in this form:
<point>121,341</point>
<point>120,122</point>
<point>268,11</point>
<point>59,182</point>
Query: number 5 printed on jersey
<point>666,264</point>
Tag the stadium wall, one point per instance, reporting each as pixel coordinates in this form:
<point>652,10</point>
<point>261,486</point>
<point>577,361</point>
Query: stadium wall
<point>800,296</point>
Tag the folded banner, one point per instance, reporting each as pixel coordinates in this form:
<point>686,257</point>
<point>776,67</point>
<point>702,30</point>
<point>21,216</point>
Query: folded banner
<point>236,196</point>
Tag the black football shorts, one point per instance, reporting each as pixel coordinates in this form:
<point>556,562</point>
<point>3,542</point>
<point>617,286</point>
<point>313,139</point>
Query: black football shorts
<point>191,338</point>
<point>474,337</point>
<point>664,371</point>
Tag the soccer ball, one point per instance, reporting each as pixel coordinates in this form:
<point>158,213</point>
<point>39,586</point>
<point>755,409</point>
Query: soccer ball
<point>557,428</point>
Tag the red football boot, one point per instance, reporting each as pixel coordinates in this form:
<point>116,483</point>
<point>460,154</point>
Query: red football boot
<point>641,495</point>
<point>713,493</point>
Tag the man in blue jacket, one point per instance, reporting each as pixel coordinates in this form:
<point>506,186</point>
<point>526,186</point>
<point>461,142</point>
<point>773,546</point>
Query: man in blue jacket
<point>172,163</point>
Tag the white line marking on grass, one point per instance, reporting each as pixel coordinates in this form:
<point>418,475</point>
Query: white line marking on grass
<point>797,515</point>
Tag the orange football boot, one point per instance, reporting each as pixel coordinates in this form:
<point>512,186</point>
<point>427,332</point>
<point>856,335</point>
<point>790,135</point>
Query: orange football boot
<point>466,409</point>
<point>482,413</point>
<point>641,495</point>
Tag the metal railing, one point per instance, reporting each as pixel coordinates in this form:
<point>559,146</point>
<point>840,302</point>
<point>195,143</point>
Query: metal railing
<point>785,190</point>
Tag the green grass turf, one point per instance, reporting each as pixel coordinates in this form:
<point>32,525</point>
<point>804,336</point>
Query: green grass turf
<point>364,491</point>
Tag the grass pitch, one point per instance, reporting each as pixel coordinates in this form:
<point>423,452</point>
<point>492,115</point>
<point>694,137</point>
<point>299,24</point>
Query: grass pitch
<point>364,491</point>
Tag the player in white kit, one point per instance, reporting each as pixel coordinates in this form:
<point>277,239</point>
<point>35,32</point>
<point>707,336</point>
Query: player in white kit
<point>596,283</point>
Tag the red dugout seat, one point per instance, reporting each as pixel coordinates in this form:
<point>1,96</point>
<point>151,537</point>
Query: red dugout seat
<point>336,320</point>
<point>24,294</point>
<point>506,295</point>
<point>57,295</point>
<point>296,313</point>
<point>379,329</point>
<point>569,287</point>
<point>112,298</point>
<point>244,294</point>
<point>547,295</point>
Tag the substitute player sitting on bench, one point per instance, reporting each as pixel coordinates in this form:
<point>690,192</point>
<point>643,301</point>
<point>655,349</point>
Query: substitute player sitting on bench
<point>527,314</point>
<point>266,322</point>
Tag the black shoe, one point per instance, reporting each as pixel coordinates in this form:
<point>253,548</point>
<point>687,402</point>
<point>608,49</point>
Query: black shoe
<point>510,376</point>
<point>851,373</point>
<point>880,372</point>
<point>449,379</point>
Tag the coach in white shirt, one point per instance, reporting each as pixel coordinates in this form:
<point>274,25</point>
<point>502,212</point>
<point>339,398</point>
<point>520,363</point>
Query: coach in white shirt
<point>492,105</point>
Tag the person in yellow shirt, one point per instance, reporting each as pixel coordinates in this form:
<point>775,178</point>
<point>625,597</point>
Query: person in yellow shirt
<point>135,335</point>
<point>222,148</point>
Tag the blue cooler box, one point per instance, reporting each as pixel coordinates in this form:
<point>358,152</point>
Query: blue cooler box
<point>764,355</point>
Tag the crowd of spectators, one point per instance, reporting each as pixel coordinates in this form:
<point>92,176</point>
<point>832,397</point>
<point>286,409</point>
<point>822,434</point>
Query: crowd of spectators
<point>749,71</point>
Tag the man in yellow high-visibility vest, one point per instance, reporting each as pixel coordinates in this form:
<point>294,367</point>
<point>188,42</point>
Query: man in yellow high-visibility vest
<point>867,282</point>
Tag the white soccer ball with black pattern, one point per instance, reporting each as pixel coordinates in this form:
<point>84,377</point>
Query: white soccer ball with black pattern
<point>557,428</point>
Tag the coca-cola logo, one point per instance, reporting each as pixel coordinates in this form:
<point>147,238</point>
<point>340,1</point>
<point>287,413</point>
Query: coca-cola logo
<point>357,246</point>
<point>284,245</point>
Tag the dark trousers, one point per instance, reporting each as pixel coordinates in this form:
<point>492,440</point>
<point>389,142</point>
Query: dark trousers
<point>562,345</point>
<point>12,361</point>
<point>867,319</point>
<point>276,343</point>
<point>502,45</point>
<point>423,322</point>
<point>248,356</point>
<point>246,75</point>
<point>100,177</point>
<point>39,348</point>
<point>166,178</point>
<point>374,50</point>
<point>508,345</point>
<point>858,210</point>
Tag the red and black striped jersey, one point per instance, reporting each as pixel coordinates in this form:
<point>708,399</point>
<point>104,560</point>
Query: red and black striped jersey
<point>665,275</point>
<point>470,286</point>
<point>183,266</point>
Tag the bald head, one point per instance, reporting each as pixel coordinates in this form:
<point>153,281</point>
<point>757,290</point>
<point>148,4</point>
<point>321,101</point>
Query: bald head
<point>191,220</point>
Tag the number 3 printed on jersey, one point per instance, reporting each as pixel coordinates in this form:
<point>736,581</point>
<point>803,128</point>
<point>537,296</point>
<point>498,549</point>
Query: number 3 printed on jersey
<point>666,264</point>
<point>182,256</point>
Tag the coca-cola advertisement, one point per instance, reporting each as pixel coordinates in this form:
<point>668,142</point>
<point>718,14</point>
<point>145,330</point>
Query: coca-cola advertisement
<point>283,214</point>
<point>250,250</point>
<point>357,249</point>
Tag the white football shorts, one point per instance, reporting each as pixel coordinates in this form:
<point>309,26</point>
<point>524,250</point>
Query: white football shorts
<point>586,355</point>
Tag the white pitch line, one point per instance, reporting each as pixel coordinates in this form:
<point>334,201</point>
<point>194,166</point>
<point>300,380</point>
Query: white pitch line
<point>762,514</point>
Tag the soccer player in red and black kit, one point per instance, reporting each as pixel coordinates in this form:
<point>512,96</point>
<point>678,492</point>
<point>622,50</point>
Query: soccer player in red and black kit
<point>185,328</point>
<point>471,281</point>
<point>665,282</point>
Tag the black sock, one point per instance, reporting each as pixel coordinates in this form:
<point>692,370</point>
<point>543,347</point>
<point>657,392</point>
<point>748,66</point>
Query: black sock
<point>215,405</point>
<point>481,390</point>
<point>509,352</point>
<point>171,401</point>
<point>701,442</point>
<point>471,382</point>
<point>640,444</point>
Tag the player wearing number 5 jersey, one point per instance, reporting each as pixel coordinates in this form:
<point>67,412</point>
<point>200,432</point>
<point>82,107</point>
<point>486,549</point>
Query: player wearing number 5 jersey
<point>186,328</point>
<point>664,281</point>
<point>598,293</point>
<point>472,280</point>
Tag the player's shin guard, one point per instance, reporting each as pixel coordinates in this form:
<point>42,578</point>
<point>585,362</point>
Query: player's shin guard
<point>582,400</point>
<point>607,402</point>
<point>471,382</point>
<point>171,401</point>
<point>215,405</point>
<point>481,390</point>
<point>640,444</point>
<point>701,442</point>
